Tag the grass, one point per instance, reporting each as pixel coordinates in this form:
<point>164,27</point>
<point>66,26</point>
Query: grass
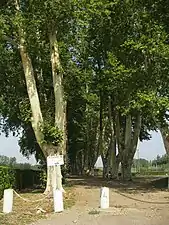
<point>25,213</point>
<point>94,212</point>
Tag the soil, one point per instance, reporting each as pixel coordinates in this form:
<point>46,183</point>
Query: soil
<point>131,203</point>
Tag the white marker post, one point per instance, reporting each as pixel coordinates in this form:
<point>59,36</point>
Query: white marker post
<point>8,201</point>
<point>58,201</point>
<point>104,198</point>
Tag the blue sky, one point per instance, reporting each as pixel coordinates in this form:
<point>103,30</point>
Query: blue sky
<point>147,149</point>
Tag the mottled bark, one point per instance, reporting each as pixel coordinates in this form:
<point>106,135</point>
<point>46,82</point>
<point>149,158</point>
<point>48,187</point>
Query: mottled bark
<point>127,140</point>
<point>60,115</point>
<point>37,119</point>
<point>54,178</point>
<point>165,137</point>
<point>130,145</point>
<point>126,169</point>
<point>112,148</point>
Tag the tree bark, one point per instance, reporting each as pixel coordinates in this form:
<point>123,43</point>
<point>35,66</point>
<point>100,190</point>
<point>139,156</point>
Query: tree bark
<point>165,137</point>
<point>57,75</point>
<point>130,144</point>
<point>37,119</point>
<point>60,115</point>
<point>54,178</point>
<point>105,167</point>
<point>114,165</point>
<point>126,169</point>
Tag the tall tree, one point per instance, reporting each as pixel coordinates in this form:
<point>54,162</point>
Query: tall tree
<point>32,29</point>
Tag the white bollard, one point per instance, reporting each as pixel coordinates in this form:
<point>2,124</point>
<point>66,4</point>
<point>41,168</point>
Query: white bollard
<point>8,201</point>
<point>104,198</point>
<point>58,201</point>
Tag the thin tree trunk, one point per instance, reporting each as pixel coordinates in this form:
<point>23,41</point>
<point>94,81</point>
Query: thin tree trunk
<point>96,148</point>
<point>101,125</point>
<point>114,164</point>
<point>113,159</point>
<point>105,166</point>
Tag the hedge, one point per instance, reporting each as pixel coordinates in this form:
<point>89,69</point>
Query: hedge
<point>18,179</point>
<point>22,178</point>
<point>7,179</point>
<point>27,178</point>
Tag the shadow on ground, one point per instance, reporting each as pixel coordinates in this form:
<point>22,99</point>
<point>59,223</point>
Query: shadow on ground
<point>139,184</point>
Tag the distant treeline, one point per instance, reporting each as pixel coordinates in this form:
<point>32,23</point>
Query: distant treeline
<point>12,162</point>
<point>158,161</point>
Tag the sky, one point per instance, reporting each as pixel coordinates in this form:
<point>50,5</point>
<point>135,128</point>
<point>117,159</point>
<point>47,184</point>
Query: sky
<point>9,147</point>
<point>147,149</point>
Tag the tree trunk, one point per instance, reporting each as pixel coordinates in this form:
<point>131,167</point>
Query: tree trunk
<point>126,169</point>
<point>60,115</point>
<point>54,179</point>
<point>165,137</point>
<point>60,105</point>
<point>53,174</point>
<point>105,167</point>
<point>115,168</point>
<point>114,165</point>
<point>130,145</point>
<point>37,119</point>
<point>101,125</point>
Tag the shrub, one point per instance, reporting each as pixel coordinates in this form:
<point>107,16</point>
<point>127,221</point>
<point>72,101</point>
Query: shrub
<point>7,179</point>
<point>17,178</point>
<point>27,178</point>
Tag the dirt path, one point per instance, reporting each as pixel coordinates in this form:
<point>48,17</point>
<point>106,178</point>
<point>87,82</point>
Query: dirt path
<point>123,209</point>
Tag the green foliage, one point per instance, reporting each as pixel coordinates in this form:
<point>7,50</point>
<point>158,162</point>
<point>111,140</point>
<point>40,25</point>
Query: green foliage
<point>7,161</point>
<point>108,49</point>
<point>7,179</point>
<point>161,160</point>
<point>27,178</point>
<point>18,178</point>
<point>52,135</point>
<point>43,178</point>
<point>141,162</point>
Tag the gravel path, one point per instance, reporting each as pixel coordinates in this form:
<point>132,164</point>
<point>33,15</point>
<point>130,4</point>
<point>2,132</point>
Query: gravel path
<point>122,210</point>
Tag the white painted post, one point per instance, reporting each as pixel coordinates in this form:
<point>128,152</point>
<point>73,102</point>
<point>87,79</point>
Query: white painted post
<point>104,198</point>
<point>58,201</point>
<point>8,201</point>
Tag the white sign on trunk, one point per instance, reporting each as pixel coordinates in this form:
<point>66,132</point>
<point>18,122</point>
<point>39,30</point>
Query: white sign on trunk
<point>55,160</point>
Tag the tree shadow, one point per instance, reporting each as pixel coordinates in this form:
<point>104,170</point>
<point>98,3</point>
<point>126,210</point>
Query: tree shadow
<point>138,185</point>
<point>31,191</point>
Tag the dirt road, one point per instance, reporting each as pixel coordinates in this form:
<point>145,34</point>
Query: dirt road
<point>132,206</point>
